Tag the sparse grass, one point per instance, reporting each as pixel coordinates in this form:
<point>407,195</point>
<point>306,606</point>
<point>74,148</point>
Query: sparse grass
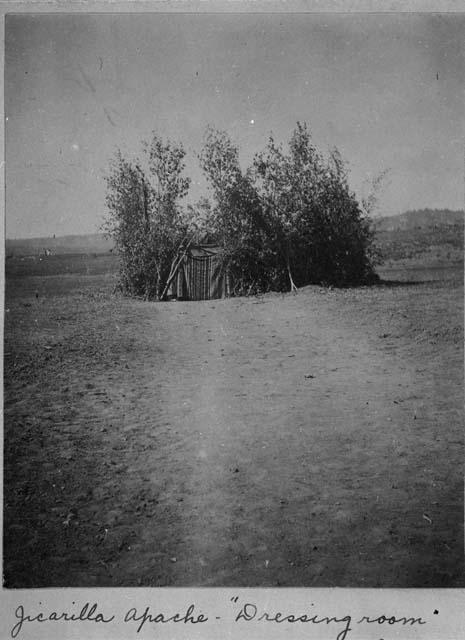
<point>80,263</point>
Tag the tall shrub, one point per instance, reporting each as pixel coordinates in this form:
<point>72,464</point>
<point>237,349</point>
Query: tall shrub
<point>145,218</point>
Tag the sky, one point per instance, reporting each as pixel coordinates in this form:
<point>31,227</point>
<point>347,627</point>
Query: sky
<point>386,89</point>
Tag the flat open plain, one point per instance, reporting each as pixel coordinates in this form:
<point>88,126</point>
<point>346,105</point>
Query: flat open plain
<point>313,439</point>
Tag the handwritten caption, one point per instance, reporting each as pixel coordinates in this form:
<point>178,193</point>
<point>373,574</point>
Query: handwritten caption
<point>241,612</point>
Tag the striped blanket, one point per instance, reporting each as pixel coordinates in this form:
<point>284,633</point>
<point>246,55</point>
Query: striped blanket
<point>202,277</point>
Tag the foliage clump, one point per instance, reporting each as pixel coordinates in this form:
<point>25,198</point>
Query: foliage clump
<point>288,220</point>
<point>144,216</point>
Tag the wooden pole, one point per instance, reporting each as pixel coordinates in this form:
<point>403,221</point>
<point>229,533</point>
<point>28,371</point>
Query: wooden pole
<point>174,270</point>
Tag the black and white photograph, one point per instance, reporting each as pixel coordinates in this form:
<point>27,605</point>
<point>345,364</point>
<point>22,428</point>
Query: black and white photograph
<point>233,314</point>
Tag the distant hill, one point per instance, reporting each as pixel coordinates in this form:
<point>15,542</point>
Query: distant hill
<point>90,243</point>
<point>425,236</point>
<point>420,218</point>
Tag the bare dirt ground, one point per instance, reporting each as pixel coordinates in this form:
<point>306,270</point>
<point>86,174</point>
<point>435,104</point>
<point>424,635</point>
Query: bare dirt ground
<point>299,440</point>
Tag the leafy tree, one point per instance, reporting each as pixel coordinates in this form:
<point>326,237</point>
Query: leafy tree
<point>236,221</point>
<point>290,219</point>
<point>273,179</point>
<point>317,225</point>
<point>200,217</point>
<point>219,159</point>
<point>145,218</point>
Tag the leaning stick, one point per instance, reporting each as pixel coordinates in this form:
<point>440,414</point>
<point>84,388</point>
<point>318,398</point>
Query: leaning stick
<point>175,270</point>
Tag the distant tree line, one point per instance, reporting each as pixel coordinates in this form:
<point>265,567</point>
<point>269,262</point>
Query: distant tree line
<point>288,220</point>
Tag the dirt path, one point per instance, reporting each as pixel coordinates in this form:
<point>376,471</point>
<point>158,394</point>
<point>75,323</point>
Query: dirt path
<point>302,440</point>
